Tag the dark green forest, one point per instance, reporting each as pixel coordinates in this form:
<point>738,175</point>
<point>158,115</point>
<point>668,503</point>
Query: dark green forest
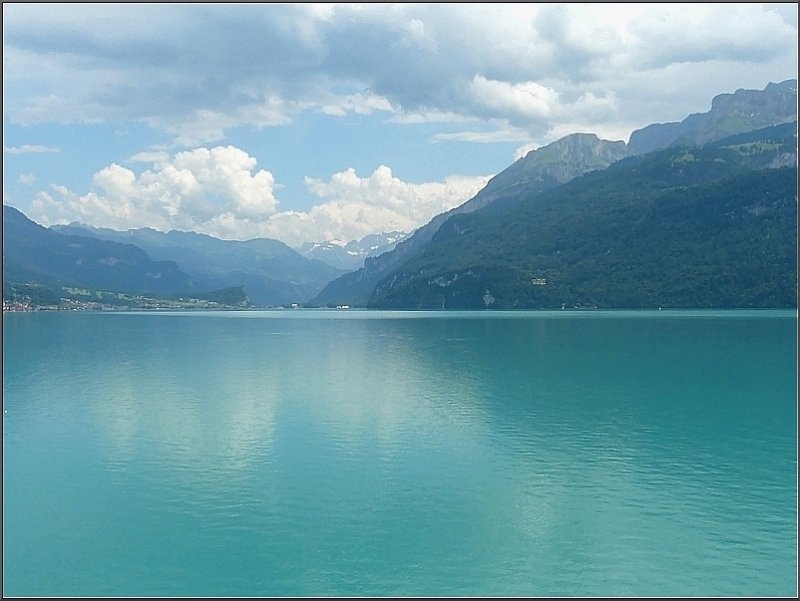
<point>685,227</point>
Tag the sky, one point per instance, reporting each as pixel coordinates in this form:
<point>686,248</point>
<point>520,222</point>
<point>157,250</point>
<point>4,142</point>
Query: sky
<point>313,122</point>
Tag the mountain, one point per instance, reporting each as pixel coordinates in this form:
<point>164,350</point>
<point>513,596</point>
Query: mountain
<point>539,170</point>
<point>742,111</point>
<point>350,255</point>
<point>689,226</point>
<point>684,215</point>
<point>35,254</point>
<point>556,164</point>
<point>271,272</point>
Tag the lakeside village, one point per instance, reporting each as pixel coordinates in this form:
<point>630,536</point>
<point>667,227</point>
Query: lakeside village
<point>37,298</point>
<point>24,298</point>
<point>69,304</point>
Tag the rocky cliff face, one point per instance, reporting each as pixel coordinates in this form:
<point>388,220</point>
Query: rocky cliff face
<point>549,166</point>
<point>742,111</point>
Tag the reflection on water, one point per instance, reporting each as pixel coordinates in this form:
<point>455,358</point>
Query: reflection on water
<point>400,453</point>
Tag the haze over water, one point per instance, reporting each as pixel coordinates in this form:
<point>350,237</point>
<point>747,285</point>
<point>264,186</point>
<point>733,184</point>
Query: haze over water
<point>400,453</point>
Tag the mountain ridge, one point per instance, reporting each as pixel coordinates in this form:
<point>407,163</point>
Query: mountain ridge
<point>357,287</point>
<point>351,255</point>
<point>32,252</point>
<point>742,111</point>
<point>711,226</point>
<point>271,272</point>
<point>543,168</point>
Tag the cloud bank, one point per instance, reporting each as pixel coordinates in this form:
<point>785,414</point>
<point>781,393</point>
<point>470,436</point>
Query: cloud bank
<point>604,68</point>
<point>220,192</point>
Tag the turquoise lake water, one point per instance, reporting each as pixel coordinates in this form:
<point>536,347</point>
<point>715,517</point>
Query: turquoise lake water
<point>370,453</point>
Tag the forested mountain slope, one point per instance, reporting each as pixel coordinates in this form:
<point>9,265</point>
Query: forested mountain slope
<point>712,226</point>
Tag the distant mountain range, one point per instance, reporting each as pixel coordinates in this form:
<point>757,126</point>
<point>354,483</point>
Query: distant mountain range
<point>549,169</point>
<point>271,272</point>
<point>35,254</point>
<point>351,255</point>
<point>700,213</point>
<point>148,261</point>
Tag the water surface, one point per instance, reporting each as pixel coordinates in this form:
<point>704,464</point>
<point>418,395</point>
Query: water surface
<point>400,453</point>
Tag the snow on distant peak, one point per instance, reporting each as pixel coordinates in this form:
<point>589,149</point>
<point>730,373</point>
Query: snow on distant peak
<point>351,254</point>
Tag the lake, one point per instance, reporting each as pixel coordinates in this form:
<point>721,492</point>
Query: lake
<point>391,453</point>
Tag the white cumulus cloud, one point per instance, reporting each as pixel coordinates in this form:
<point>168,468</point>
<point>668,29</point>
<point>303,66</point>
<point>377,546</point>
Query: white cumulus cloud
<point>526,101</point>
<point>203,189</point>
<point>220,192</point>
<point>355,206</point>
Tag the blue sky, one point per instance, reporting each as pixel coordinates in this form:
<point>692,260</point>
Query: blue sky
<point>310,122</point>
